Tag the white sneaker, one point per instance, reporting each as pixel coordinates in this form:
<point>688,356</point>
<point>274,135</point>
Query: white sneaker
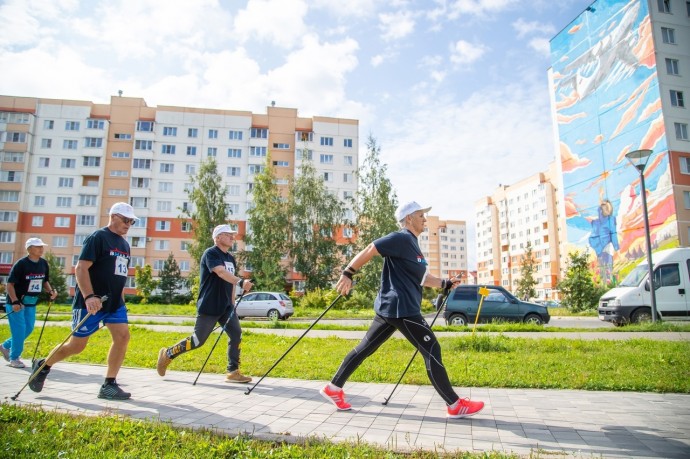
<point>5,352</point>
<point>16,363</point>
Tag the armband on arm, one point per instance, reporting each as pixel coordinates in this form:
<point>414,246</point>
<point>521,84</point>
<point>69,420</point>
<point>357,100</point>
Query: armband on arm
<point>349,272</point>
<point>446,284</point>
<point>240,284</point>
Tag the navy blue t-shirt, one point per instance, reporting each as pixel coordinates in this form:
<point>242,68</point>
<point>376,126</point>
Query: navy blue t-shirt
<point>404,266</point>
<point>28,277</point>
<point>110,254</point>
<point>215,294</point>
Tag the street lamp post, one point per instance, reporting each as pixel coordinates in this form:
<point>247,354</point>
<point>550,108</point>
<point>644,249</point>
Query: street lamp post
<point>639,158</point>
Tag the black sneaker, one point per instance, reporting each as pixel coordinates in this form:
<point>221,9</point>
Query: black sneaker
<point>36,384</point>
<point>111,391</point>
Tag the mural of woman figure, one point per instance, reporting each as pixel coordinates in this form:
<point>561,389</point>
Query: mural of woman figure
<point>604,239</point>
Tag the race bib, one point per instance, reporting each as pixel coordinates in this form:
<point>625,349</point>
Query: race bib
<point>229,267</point>
<point>35,286</point>
<point>121,266</point>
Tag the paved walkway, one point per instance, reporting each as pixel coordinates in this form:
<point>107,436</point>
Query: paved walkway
<point>545,423</point>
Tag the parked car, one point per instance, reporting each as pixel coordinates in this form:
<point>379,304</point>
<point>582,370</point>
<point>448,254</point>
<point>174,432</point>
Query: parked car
<point>3,300</point>
<point>499,304</point>
<point>274,305</point>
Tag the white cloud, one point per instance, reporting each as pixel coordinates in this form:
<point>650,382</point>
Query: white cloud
<point>278,22</point>
<point>26,22</point>
<point>350,8</point>
<point>524,28</point>
<point>395,26</point>
<point>451,10</point>
<point>464,52</point>
<point>541,45</point>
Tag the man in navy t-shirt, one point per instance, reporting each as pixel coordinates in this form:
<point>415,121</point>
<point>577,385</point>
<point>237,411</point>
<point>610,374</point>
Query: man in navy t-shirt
<point>398,307</point>
<point>101,271</point>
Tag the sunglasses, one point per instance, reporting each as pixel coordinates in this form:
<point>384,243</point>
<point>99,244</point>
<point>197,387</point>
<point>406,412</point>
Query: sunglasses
<point>125,220</point>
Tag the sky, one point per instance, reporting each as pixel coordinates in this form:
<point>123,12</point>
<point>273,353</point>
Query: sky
<point>454,92</point>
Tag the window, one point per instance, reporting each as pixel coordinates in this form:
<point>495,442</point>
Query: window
<point>327,141</point>
<point>66,182</point>
<point>234,190</point>
<point>95,124</point>
<point>71,125</point>
<point>140,222</point>
<point>681,131</point>
<point>11,176</point>
<point>44,162</point>
<point>86,220</point>
<point>213,133</point>
<point>163,225</point>
<point>91,161</point>
<point>193,133</point>
<point>304,154</point>
<point>232,209</point>
<point>162,245</point>
<point>11,157</point>
<point>347,143</point>
<point>121,136</point>
<point>68,163</point>
<point>167,168</point>
<point>677,98</point>
<point>64,201</point>
<point>257,151</point>
<point>143,145</point>
<point>190,169</point>
<point>140,182</point>
<point>145,126</point>
<point>326,159</point>
<point>212,151</point>
<point>191,151</point>
<point>39,201</point>
<point>70,144</point>
<point>164,206</point>
<point>281,163</point>
<point>6,258</point>
<point>7,236</point>
<point>234,171</point>
<point>347,178</point>
<point>255,169</point>
<point>88,200</point>
<point>686,199</point>
<point>158,264</point>
<point>281,146</point>
<point>139,202</point>
<point>48,124</point>
<point>259,133</point>
<point>9,196</point>
<point>138,163</point>
<point>46,143</point>
<point>668,35</point>
<point>119,173</point>
<point>62,222</point>
<point>664,6</point>
<point>186,227</point>
<point>328,176</point>
<point>165,187</point>
<point>168,149</point>
<point>8,216</point>
<point>672,66</point>
<point>59,241</point>
<point>347,232</point>
<point>348,160</point>
<point>235,135</point>
<point>93,142</point>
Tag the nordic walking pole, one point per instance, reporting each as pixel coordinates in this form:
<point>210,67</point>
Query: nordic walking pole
<point>294,344</point>
<point>50,304</point>
<point>5,316</point>
<point>483,291</point>
<point>104,298</point>
<point>232,312</point>
<point>440,302</point>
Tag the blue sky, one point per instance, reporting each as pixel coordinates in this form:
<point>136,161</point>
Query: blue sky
<point>454,91</point>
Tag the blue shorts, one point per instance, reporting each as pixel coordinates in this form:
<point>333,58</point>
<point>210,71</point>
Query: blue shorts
<point>91,325</point>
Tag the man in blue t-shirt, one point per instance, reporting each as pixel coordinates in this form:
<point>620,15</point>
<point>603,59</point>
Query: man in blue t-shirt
<point>101,271</point>
<point>398,307</point>
<point>217,280</point>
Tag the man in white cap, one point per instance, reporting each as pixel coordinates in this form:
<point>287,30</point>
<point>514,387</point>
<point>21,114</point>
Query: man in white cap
<point>29,276</point>
<point>217,280</point>
<point>398,307</point>
<point>101,271</point>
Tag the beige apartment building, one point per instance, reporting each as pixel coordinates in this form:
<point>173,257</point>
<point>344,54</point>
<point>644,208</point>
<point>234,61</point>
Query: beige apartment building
<point>444,245</point>
<point>63,163</point>
<point>510,219</point>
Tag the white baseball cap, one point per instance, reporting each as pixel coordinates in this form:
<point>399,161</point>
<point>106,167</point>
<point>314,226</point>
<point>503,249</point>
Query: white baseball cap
<point>34,241</point>
<point>124,209</point>
<point>222,229</point>
<point>406,209</point>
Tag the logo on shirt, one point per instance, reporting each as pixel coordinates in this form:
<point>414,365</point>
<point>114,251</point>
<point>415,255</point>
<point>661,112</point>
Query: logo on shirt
<point>421,260</point>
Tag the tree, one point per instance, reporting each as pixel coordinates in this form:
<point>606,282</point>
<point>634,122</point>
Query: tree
<point>525,286</point>
<point>315,216</point>
<point>577,287</point>
<point>58,280</point>
<point>170,279</point>
<point>375,212</point>
<point>207,210</point>
<point>144,281</point>
<point>266,238</point>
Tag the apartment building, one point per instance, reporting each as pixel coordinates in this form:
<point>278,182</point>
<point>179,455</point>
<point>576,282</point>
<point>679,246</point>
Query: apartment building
<point>509,220</point>
<point>444,245</point>
<point>620,81</point>
<point>63,163</point>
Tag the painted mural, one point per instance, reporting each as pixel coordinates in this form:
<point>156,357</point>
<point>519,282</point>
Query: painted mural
<point>608,104</point>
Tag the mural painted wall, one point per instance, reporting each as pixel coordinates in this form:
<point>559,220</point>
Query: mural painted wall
<point>608,103</point>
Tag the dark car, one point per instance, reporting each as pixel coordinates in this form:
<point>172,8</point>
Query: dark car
<point>498,305</point>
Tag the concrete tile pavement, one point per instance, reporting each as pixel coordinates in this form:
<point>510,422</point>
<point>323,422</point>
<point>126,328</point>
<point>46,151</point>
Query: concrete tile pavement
<point>557,423</point>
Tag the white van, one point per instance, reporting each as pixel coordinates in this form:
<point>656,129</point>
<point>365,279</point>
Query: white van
<point>630,302</point>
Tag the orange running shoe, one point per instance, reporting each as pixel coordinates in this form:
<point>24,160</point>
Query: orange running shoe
<point>337,397</point>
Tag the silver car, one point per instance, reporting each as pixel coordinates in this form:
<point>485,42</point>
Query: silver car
<point>274,305</point>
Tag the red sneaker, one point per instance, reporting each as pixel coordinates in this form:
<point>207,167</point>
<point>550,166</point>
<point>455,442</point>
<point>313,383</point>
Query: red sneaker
<point>337,397</point>
<point>464,407</point>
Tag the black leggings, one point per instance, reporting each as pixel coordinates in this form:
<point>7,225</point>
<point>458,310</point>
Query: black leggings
<point>417,332</point>
<point>203,328</point>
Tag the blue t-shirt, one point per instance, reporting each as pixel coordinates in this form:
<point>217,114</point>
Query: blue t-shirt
<point>404,266</point>
<point>109,253</point>
<point>215,294</point>
<point>28,277</point>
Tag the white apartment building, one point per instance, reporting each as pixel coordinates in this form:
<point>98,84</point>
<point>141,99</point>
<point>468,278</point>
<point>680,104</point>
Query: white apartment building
<point>444,245</point>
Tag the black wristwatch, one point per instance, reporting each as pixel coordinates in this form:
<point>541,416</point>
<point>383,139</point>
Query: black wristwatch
<point>16,302</point>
